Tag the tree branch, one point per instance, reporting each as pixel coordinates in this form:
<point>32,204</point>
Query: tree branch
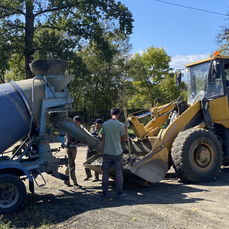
<point>54,9</point>
<point>17,27</point>
<point>13,11</point>
<point>49,27</point>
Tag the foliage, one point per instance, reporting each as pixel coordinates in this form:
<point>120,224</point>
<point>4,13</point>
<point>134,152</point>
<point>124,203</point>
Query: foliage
<point>223,39</point>
<point>147,71</point>
<point>169,89</point>
<point>29,26</point>
<point>102,84</point>
<point>93,37</point>
<point>4,223</point>
<point>224,49</point>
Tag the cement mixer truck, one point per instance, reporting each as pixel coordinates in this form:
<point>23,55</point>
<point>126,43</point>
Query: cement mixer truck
<point>26,108</point>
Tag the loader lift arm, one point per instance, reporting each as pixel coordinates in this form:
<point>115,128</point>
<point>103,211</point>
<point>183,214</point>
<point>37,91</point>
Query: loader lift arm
<point>159,116</point>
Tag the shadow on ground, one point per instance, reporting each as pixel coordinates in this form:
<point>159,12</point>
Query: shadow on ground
<point>46,208</point>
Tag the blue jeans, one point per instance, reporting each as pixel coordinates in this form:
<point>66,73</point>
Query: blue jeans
<point>108,161</point>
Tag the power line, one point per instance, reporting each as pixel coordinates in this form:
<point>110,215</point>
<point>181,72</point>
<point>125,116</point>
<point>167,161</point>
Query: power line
<point>192,8</point>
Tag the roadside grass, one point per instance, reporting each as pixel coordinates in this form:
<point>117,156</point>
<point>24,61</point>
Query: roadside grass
<point>4,224</point>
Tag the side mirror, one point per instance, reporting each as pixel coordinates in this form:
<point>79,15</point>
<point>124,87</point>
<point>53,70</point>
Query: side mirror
<point>216,70</point>
<point>178,78</point>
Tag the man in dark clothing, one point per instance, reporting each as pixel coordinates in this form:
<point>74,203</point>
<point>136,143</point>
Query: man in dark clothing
<point>95,131</point>
<point>71,152</point>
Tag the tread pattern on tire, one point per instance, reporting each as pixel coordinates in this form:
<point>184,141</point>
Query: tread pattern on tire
<point>179,153</point>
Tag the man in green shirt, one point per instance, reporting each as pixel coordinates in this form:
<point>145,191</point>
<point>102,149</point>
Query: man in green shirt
<point>113,133</point>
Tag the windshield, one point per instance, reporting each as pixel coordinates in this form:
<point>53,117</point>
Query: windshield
<point>200,85</point>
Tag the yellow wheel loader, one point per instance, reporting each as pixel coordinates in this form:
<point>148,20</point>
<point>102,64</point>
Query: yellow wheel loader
<point>192,136</point>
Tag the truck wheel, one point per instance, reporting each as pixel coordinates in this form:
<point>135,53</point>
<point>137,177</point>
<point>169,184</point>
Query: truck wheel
<point>12,193</point>
<point>197,155</point>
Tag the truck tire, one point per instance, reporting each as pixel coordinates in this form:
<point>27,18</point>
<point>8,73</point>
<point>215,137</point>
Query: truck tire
<point>197,155</point>
<point>12,193</point>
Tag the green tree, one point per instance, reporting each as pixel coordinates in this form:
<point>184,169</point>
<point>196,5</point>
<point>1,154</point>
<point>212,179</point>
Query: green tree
<point>222,39</point>
<point>170,91</point>
<point>146,71</point>
<point>79,20</point>
<point>103,84</point>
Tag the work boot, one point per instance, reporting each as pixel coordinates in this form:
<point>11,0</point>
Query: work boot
<point>68,183</point>
<point>95,178</point>
<point>103,195</point>
<point>77,186</point>
<point>88,173</point>
<point>87,177</point>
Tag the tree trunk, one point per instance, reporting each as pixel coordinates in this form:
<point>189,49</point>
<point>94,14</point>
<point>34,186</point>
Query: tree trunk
<point>29,32</point>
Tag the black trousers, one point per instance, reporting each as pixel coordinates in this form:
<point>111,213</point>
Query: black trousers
<point>90,153</point>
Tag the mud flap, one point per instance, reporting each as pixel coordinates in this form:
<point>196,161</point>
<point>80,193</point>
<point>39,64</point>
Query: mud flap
<point>154,166</point>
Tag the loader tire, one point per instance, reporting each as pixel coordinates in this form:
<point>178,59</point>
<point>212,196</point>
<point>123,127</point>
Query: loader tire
<point>197,155</point>
<point>12,193</point>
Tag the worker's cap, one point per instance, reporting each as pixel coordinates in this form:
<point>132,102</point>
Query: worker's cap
<point>77,118</point>
<point>98,120</point>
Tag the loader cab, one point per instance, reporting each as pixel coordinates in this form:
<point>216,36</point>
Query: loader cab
<point>208,78</point>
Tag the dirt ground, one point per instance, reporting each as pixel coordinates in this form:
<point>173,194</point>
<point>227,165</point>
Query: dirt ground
<point>166,204</point>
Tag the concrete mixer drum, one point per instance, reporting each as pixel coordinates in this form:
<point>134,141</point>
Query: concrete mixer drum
<point>31,103</point>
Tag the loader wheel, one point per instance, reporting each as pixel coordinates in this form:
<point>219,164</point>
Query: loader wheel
<point>197,155</point>
<point>12,193</point>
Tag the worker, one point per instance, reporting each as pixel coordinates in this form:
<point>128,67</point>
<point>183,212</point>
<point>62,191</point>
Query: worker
<point>113,133</point>
<point>96,133</point>
<point>71,151</point>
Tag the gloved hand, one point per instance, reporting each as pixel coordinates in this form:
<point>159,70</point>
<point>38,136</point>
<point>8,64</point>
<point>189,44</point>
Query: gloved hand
<point>126,123</point>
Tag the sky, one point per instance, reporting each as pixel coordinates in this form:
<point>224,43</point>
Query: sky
<point>186,34</point>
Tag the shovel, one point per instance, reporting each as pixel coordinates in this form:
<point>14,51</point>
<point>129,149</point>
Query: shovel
<point>128,139</point>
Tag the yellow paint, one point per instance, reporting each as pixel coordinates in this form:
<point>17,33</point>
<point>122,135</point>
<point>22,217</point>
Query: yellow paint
<point>208,59</point>
<point>175,127</point>
<point>219,111</point>
<point>151,128</point>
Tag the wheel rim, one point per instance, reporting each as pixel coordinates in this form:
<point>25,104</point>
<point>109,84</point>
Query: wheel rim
<point>203,157</point>
<point>9,195</point>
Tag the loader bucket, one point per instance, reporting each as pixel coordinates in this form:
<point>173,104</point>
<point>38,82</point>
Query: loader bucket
<point>154,166</point>
<point>148,161</point>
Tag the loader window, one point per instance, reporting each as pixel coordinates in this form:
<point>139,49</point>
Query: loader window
<point>214,86</point>
<point>197,81</point>
<point>202,84</point>
<point>226,71</point>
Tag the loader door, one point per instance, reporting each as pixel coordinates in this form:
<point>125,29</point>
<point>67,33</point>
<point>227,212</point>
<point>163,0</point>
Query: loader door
<point>226,73</point>
<point>215,83</point>
<point>219,104</point>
